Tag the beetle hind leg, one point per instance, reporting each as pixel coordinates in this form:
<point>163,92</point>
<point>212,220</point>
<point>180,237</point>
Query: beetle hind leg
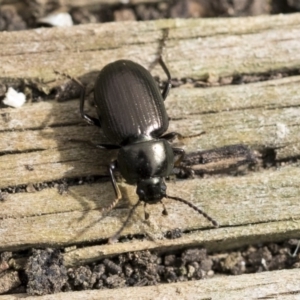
<point>86,117</point>
<point>172,135</point>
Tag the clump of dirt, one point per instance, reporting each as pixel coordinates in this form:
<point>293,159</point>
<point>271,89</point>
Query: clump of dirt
<point>254,259</point>
<point>45,272</point>
<point>142,268</point>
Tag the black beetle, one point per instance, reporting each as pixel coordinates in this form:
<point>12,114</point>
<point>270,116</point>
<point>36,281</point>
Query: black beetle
<point>132,114</point>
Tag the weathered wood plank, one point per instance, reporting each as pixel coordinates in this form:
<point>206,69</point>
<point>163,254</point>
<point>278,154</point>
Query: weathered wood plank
<point>40,115</point>
<point>236,116</point>
<point>282,284</point>
<point>263,198</point>
<point>259,207</point>
<point>269,128</point>
<point>222,239</point>
<point>50,165</point>
<point>181,102</point>
<point>63,158</point>
<point>195,48</point>
<point>234,107</point>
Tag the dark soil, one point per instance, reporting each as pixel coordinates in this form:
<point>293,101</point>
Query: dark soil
<point>45,273</point>
<point>26,14</point>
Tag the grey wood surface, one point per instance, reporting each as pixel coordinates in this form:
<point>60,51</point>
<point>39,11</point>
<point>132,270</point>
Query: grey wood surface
<point>283,285</point>
<point>260,206</point>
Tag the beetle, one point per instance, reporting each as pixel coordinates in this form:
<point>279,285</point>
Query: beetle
<point>132,115</point>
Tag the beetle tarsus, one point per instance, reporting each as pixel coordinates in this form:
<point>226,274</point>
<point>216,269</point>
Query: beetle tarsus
<point>115,237</point>
<point>164,212</point>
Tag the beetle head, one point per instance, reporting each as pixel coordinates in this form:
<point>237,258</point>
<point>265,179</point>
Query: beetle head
<point>151,190</point>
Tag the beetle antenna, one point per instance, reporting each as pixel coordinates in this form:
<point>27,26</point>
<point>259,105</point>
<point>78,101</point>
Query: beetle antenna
<point>117,234</point>
<point>111,206</point>
<point>213,221</point>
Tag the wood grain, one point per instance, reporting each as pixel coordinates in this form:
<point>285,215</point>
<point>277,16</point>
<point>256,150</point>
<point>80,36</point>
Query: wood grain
<point>35,145</point>
<point>267,285</point>
<point>47,218</point>
<point>261,115</point>
<point>198,49</point>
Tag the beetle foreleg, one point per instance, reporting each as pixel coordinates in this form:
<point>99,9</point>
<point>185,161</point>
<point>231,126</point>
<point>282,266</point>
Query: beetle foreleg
<point>112,166</point>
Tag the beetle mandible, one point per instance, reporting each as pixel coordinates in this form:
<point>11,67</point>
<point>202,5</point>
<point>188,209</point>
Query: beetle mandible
<point>132,115</point>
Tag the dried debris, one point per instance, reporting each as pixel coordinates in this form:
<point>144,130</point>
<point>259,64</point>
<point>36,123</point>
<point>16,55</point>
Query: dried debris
<point>9,279</point>
<point>45,272</point>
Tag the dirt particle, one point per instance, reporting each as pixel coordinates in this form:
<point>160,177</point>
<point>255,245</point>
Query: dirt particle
<point>174,234</point>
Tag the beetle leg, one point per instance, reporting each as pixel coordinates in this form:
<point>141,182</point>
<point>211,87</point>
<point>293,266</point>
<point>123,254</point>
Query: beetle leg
<point>168,84</point>
<point>181,153</point>
<point>172,135</point>
<point>112,166</point>
<point>146,214</point>
<point>107,146</point>
<point>114,238</point>
<point>186,171</point>
<point>86,117</point>
<point>91,144</point>
<point>164,212</point>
